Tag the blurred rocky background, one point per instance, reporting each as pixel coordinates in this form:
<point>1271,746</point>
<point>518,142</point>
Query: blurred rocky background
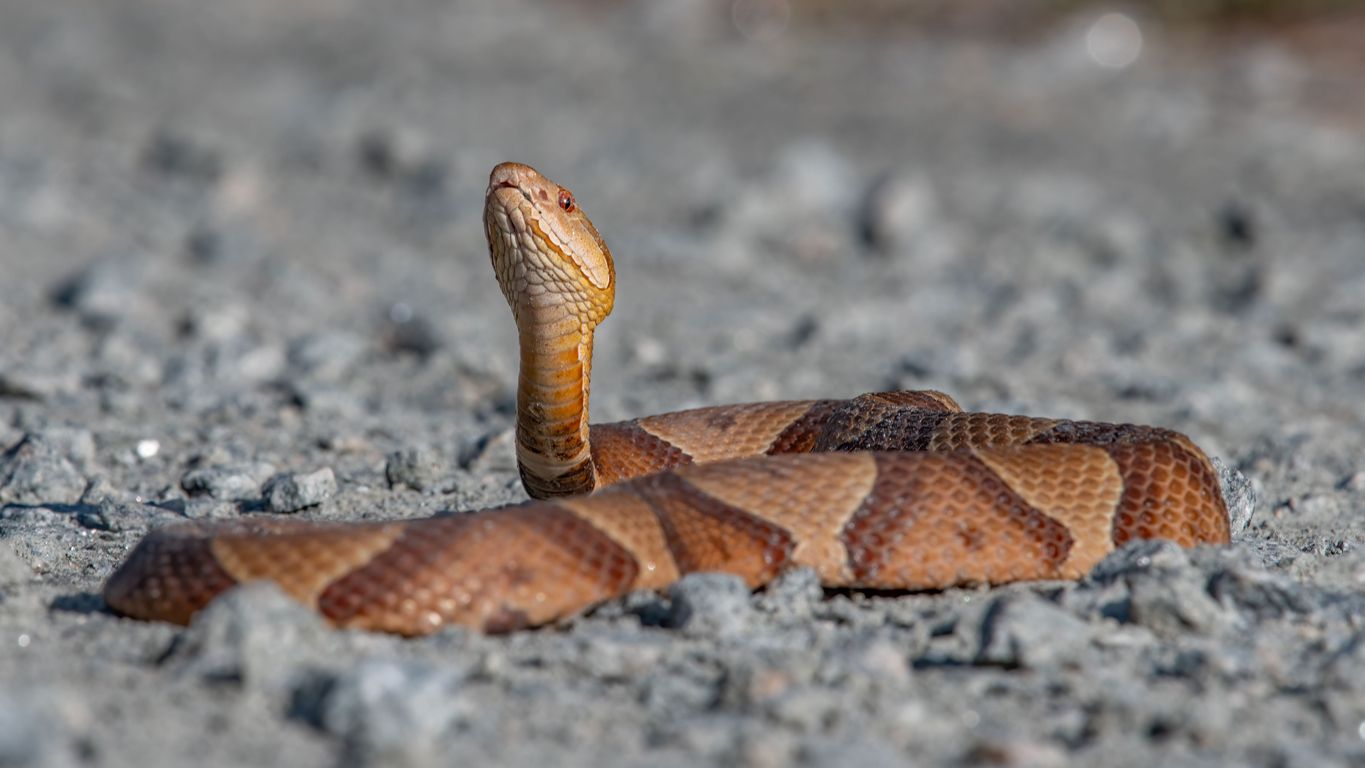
<point>242,272</point>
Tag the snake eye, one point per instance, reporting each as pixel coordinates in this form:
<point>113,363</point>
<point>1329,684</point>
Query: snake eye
<point>566,201</point>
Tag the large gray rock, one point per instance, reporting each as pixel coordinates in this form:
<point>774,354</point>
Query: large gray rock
<point>46,467</point>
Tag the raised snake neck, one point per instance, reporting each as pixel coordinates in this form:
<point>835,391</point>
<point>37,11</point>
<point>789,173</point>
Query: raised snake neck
<point>559,280</point>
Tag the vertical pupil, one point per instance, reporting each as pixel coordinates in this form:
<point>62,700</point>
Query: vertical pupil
<point>566,201</point>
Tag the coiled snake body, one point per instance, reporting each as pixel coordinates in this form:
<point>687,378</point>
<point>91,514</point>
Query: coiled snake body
<point>894,490</point>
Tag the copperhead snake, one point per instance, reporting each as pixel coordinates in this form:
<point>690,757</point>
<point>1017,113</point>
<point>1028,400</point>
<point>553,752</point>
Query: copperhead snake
<point>892,490</point>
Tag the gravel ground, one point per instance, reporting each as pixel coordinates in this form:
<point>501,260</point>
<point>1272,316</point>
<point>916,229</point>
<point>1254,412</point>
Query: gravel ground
<point>242,272</point>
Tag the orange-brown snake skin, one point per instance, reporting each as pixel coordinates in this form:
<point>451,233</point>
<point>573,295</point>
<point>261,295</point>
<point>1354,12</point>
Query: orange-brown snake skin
<point>896,490</point>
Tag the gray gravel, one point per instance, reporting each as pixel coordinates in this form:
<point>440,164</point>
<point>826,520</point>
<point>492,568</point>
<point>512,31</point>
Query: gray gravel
<point>242,272</point>
<point>293,491</point>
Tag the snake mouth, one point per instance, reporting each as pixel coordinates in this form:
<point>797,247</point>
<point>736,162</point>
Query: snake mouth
<point>496,187</point>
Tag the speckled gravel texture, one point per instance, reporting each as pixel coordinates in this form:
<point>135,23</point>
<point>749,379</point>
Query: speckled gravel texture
<point>242,272</point>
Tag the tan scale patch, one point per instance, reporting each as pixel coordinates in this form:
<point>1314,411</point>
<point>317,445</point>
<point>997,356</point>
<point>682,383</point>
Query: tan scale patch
<point>811,496</point>
<point>596,271</point>
<point>623,451</point>
<point>727,431</point>
<point>630,522</point>
<point>974,430</point>
<point>496,570</point>
<point>1079,486</point>
<point>303,562</point>
<point>1198,453</point>
<point>943,399</point>
<point>917,398</point>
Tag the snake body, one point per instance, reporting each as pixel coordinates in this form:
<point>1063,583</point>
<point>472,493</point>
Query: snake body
<point>893,490</point>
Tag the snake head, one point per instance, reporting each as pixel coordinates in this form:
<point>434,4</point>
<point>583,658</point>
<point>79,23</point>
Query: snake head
<point>545,250</point>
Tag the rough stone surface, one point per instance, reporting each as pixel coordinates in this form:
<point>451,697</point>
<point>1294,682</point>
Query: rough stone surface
<point>392,713</point>
<point>794,594</point>
<point>13,569</point>
<point>421,469</point>
<point>44,467</point>
<point>1239,494</point>
<point>41,727</point>
<point>247,638</point>
<point>292,492</point>
<point>226,482</point>
<point>1024,630</point>
<point>243,238</point>
<point>710,604</point>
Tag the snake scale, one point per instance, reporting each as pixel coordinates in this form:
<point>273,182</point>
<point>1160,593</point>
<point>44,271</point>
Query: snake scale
<point>893,490</point>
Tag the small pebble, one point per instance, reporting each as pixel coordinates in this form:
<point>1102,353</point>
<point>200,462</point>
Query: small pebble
<point>1024,630</point>
<point>494,451</point>
<point>294,491</point>
<point>33,728</point>
<point>393,712</point>
<point>13,568</point>
<point>326,355</point>
<point>1165,591</point>
<point>1238,494</point>
<point>207,508</point>
<point>421,469</point>
<point>102,293</point>
<point>896,209</point>
<point>253,634</point>
<point>42,468</point>
<point>1174,605</point>
<point>226,482</point>
<point>177,155</point>
<point>710,604</point>
<point>793,594</point>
